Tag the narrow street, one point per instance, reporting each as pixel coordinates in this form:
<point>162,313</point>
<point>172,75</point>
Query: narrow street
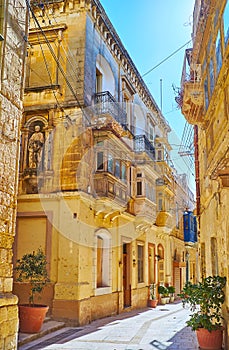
<point>163,328</point>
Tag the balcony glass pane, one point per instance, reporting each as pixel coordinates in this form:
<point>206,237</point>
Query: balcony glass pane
<point>139,188</point>
<point>123,175</point>
<point>211,75</point>
<point>218,53</point>
<point>206,93</point>
<point>117,169</point>
<point>110,164</point>
<point>100,165</point>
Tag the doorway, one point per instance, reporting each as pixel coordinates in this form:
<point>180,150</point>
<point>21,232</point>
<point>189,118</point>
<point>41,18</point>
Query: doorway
<point>126,275</point>
<point>151,263</point>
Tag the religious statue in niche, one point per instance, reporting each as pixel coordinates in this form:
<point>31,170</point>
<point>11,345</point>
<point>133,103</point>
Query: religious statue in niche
<point>35,146</point>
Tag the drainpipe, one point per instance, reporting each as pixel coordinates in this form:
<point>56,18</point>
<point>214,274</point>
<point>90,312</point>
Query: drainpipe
<point>197,170</point>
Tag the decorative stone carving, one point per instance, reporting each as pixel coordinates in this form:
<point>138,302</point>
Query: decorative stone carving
<point>35,146</point>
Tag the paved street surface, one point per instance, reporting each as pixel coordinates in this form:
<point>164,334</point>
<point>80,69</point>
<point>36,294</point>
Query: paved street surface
<point>162,328</point>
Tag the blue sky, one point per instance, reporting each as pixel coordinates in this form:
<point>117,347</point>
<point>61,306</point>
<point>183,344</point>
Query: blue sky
<point>151,30</point>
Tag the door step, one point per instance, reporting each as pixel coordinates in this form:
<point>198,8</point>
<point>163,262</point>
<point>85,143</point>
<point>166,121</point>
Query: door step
<point>48,326</point>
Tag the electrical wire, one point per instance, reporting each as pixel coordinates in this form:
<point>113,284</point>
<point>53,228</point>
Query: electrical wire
<point>165,59</point>
<point>55,58</point>
<point>61,44</point>
<point>48,71</point>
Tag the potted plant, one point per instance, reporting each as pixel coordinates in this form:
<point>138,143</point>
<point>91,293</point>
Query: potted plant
<point>205,300</point>
<point>171,290</point>
<point>32,268</point>
<point>163,291</point>
<point>152,302</point>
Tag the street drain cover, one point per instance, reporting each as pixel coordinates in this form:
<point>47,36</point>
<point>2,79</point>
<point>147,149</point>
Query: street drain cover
<point>164,309</point>
<point>55,339</point>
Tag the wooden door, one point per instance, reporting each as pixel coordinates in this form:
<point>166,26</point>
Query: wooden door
<point>126,275</point>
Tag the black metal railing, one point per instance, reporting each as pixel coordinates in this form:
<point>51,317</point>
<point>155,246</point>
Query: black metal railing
<point>104,103</point>
<point>142,144</point>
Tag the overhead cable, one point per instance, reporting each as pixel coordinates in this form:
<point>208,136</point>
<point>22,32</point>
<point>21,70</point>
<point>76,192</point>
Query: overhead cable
<point>55,57</point>
<point>165,59</point>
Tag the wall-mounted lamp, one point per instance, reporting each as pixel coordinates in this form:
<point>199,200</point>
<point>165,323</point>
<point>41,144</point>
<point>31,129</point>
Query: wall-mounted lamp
<point>120,263</point>
<point>134,262</point>
<point>158,257</point>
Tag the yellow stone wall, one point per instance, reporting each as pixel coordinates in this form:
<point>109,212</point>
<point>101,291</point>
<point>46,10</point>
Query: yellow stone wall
<point>68,204</point>
<point>211,114</point>
<point>11,89</point>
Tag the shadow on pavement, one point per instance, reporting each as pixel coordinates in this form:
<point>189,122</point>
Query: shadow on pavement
<point>185,339</point>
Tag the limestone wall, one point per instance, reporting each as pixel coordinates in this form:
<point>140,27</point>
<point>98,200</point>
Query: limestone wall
<point>12,24</point>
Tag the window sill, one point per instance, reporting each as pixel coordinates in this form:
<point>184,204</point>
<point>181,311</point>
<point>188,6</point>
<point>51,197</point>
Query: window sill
<point>103,290</point>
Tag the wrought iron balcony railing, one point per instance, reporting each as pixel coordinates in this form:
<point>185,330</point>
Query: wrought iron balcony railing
<point>142,144</point>
<point>105,104</point>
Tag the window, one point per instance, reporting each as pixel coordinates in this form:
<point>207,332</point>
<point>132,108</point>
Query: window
<point>117,168</point>
<point>100,165</point>
<point>99,262</point>
<point>160,201</point>
<point>159,155</point>
<point>99,79</point>
<point>218,53</point>
<point>161,267</point>
<point>110,164</point>
<point>123,175</point>
<point>209,45</point>
<point>177,215</point>
<point>206,93</point>
<point>140,263</point>
<point>103,260</point>
<point>151,133</point>
<point>127,108</point>
<point>211,75</point>
<point>139,188</point>
<point>150,192</point>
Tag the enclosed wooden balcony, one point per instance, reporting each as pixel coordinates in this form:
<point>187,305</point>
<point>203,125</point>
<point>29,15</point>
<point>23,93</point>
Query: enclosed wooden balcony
<point>164,218</point>
<point>143,207</point>
<point>108,187</point>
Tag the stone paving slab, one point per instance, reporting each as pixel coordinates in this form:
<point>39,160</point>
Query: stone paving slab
<point>163,328</point>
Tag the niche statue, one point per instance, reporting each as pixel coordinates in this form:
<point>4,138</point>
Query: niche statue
<point>35,145</point>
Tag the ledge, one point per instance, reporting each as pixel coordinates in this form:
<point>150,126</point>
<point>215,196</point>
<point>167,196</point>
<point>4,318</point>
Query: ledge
<point>7,299</point>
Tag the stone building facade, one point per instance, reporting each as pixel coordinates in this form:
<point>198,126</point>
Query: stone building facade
<point>12,51</point>
<point>97,189</point>
<point>205,92</point>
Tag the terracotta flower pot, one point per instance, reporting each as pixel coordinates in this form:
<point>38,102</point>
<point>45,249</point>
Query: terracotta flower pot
<point>152,303</point>
<point>31,318</point>
<point>210,340</point>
